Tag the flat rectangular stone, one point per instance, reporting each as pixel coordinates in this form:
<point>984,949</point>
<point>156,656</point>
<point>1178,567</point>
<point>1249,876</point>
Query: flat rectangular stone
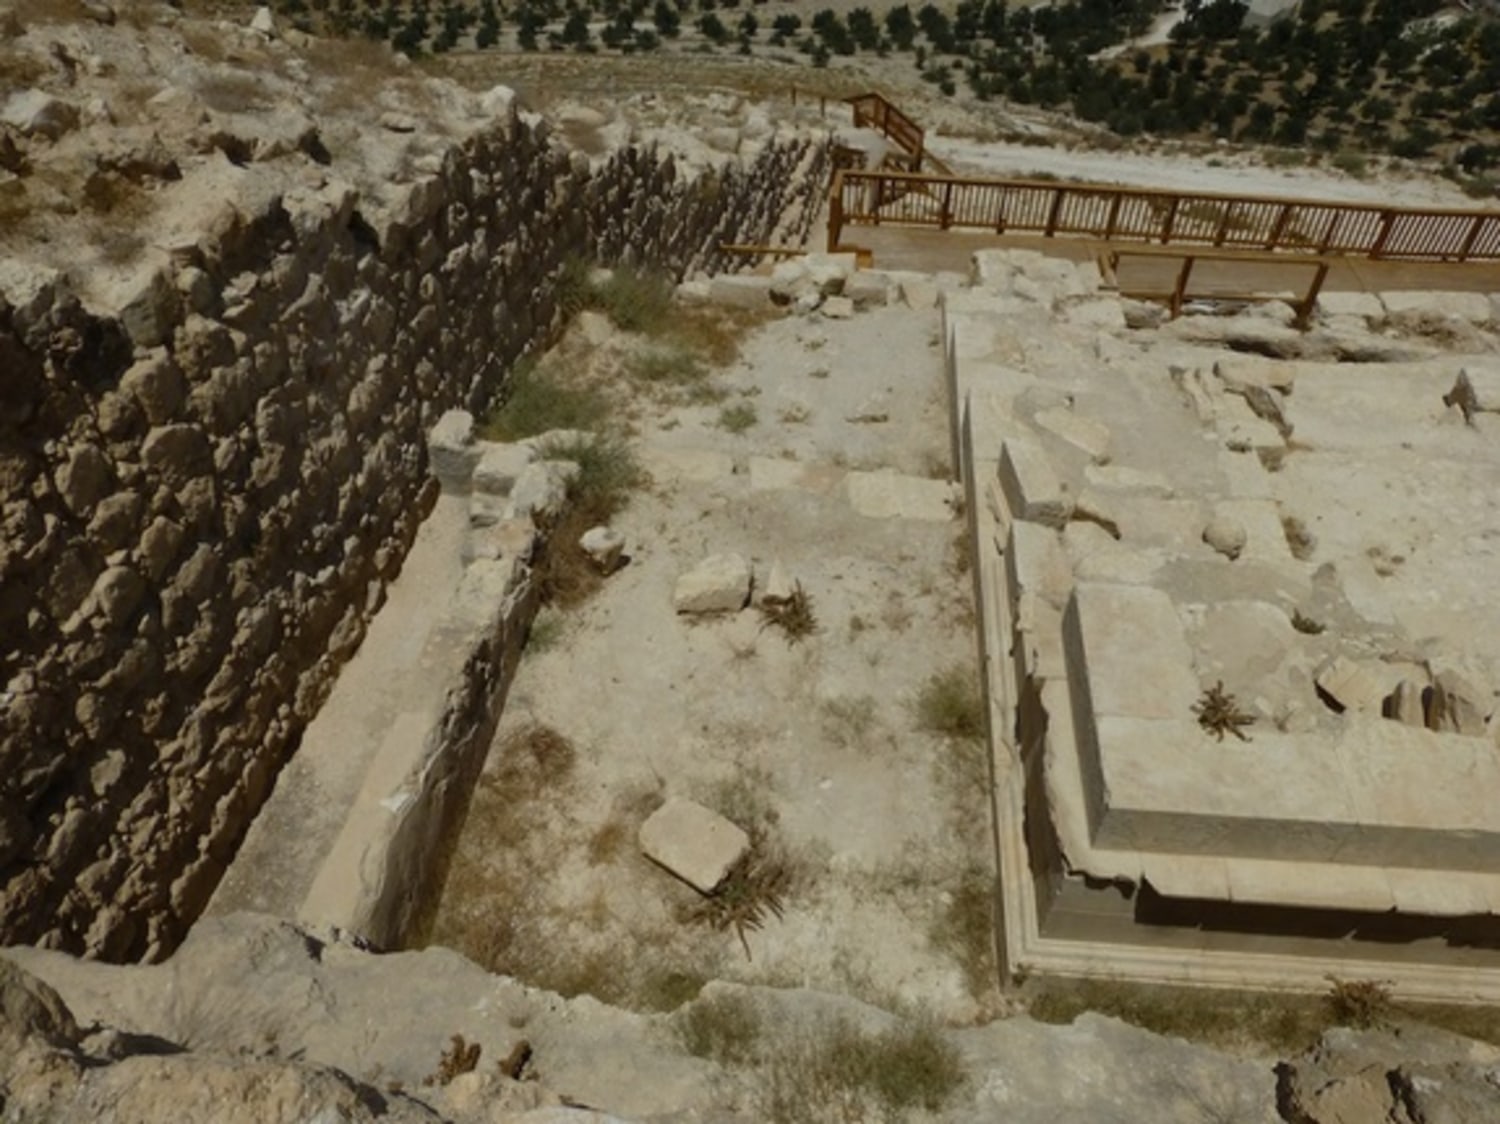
<point>740,290</point>
<point>890,495</point>
<point>1434,798</point>
<point>1245,478</point>
<point>1364,306</point>
<point>1241,371</point>
<point>693,842</point>
<point>670,465</point>
<point>1170,786</point>
<point>1196,877</point>
<point>779,473</point>
<point>1122,479</point>
<point>1088,436</point>
<point>1445,894</point>
<point>1310,885</point>
<point>1127,653</point>
<point>1032,489</point>
<point>868,289</point>
<point>1035,563</point>
<point>1410,304</point>
<point>500,466</point>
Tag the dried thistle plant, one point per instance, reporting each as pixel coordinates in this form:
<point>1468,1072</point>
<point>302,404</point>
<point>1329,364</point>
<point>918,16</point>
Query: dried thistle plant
<point>460,1057</point>
<point>1219,713</point>
<point>753,891</point>
<point>793,615</point>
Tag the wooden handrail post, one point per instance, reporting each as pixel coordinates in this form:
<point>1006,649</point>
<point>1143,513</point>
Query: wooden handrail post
<point>1309,302</point>
<point>835,210</point>
<point>1182,281</point>
<point>1473,236</point>
<point>1114,215</point>
<point>1388,221</point>
<point>945,217</point>
<point>1166,228</point>
<point>1223,230</point>
<point>1052,215</point>
<point>1280,226</point>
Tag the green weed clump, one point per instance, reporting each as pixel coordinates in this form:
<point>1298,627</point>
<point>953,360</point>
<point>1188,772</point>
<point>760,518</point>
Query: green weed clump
<point>536,401</point>
<point>950,704</point>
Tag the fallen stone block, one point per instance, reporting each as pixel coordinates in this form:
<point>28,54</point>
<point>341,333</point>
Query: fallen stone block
<point>500,466</point>
<point>1365,307</point>
<point>1405,704</point>
<point>604,546</point>
<point>541,491</point>
<point>868,289</point>
<point>1411,308</point>
<point>1226,535</point>
<point>1457,706</point>
<point>1351,686</point>
<point>837,308</point>
<point>718,584</point>
<point>830,272</point>
<point>1082,433</point>
<point>1031,488</point>
<point>693,842</point>
<point>1248,370</point>
<point>780,588</point>
<point>740,290</point>
<point>451,450</point>
<point>919,293</point>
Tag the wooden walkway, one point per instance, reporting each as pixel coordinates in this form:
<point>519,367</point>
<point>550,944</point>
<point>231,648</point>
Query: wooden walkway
<point>932,251</point>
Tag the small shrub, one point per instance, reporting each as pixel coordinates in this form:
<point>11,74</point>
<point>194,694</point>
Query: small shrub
<point>671,366</point>
<point>737,418</point>
<point>460,1057</point>
<point>607,473</point>
<point>545,631</point>
<point>1359,1003</point>
<point>724,1028</point>
<point>794,616</point>
<point>535,402</point>
<point>966,929</point>
<point>950,704</point>
<point>636,301</point>
<point>1219,713</point>
<point>1306,625</point>
<point>752,893</point>
<point>1351,163</point>
<point>848,721</point>
<point>845,1073</point>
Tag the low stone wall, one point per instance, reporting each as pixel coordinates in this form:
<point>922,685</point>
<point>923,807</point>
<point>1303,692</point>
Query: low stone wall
<point>205,492</point>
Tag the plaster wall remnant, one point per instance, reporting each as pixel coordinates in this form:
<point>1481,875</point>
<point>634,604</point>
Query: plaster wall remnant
<point>207,486</point>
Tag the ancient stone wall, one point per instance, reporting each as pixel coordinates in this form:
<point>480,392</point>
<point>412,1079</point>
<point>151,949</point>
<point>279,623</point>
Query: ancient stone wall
<point>205,494</point>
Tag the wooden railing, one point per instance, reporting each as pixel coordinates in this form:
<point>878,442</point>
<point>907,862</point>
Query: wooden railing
<point>873,111</point>
<point>1187,258</point>
<point>1308,226</point>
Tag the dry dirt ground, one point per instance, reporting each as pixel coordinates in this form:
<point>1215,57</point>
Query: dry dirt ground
<point>815,743</point>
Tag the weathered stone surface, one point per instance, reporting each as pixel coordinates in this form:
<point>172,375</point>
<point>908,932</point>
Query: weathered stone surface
<point>739,290</point>
<point>1405,704</point>
<point>451,450</point>
<point>837,308</point>
<point>891,495</point>
<point>604,546</point>
<point>778,588</point>
<point>1087,435</point>
<point>693,842</point>
<point>500,466</point>
<point>541,490</point>
<point>1457,706</point>
<point>1475,391</point>
<point>1031,487</point>
<point>39,114</point>
<point>868,289</point>
<point>718,584</point>
<point>1351,686</point>
<point>83,478</point>
<point>1226,535</point>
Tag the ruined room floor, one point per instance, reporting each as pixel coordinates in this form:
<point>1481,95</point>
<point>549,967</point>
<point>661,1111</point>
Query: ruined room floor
<point>885,825</point>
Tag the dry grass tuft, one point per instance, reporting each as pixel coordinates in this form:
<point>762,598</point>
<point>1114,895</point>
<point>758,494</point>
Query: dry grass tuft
<point>950,704</point>
<point>753,892</point>
<point>794,615</point>
<point>1219,713</point>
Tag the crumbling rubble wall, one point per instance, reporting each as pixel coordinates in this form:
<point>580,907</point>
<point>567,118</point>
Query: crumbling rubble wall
<point>205,493</point>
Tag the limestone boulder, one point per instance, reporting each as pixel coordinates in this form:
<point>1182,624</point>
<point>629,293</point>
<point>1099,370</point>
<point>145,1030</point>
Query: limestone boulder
<point>38,114</point>
<point>604,546</point>
<point>718,584</point>
<point>451,449</point>
<point>693,842</point>
<point>500,466</point>
<point>1226,535</point>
